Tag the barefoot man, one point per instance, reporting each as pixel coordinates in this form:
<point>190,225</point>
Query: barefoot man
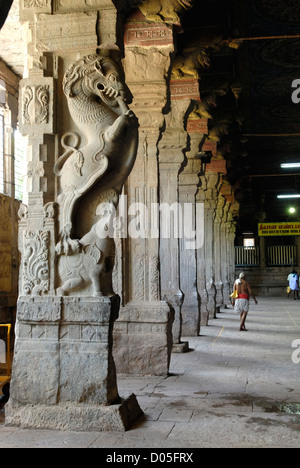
<point>242,302</point>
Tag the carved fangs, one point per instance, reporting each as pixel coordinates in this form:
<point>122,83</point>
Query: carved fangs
<point>187,4</point>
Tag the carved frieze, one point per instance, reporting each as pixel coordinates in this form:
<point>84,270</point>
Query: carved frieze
<point>36,105</point>
<point>35,264</point>
<point>148,35</point>
<point>28,8</point>
<point>218,166</point>
<point>139,278</point>
<point>197,126</point>
<point>184,89</point>
<point>154,277</point>
<point>47,310</point>
<point>66,6</point>
<point>77,31</point>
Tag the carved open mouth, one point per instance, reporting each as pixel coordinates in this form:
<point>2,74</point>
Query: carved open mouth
<point>187,4</point>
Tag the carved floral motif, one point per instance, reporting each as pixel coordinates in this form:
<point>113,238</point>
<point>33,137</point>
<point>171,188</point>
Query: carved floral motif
<point>35,105</point>
<point>36,263</point>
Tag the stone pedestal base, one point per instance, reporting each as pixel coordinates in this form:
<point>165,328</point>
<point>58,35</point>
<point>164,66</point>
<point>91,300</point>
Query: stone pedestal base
<point>143,339</point>
<point>182,347</point>
<point>70,417</point>
<point>64,375</point>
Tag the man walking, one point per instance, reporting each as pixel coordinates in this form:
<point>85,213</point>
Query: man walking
<point>242,302</point>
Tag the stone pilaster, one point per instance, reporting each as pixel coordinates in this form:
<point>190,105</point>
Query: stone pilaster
<point>224,256</point>
<point>143,333</point>
<point>219,265</point>
<point>188,187</point>
<point>171,157</point>
<point>73,110</point>
<point>207,194</point>
<point>231,234</point>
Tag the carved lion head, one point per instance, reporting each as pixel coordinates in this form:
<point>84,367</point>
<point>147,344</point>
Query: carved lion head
<point>93,75</point>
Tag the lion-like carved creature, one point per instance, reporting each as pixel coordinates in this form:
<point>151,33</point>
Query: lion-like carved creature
<point>190,64</point>
<point>97,103</point>
<point>167,11</point>
<point>97,159</point>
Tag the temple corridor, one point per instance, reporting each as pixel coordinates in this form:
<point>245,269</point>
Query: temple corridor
<point>232,389</point>
<point>149,154</point>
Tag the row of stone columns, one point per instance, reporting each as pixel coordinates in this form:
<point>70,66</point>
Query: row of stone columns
<point>73,333</point>
<point>165,280</point>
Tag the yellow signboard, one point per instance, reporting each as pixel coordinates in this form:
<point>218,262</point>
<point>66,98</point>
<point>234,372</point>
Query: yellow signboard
<point>279,229</point>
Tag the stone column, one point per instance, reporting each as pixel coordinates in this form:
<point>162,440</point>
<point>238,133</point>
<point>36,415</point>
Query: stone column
<point>262,248</point>
<point>73,109</point>
<point>143,332</point>
<point>231,233</point>
<point>171,157</point>
<point>207,194</point>
<point>210,209</point>
<point>188,187</point>
<point>219,265</point>
<point>224,256</point>
<point>214,173</point>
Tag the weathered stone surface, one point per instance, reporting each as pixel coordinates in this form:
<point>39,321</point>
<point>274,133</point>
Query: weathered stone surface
<point>64,374</point>
<point>70,359</point>
<point>70,417</point>
<point>142,340</point>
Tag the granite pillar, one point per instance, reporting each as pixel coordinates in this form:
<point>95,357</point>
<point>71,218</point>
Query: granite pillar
<point>143,333</point>
<point>74,110</point>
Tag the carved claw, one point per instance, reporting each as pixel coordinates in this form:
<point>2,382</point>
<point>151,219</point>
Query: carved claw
<point>67,246</point>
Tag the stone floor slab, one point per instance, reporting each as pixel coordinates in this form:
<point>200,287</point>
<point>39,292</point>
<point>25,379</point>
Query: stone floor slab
<point>232,389</point>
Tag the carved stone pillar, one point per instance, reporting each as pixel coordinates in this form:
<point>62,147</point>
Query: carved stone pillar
<point>188,187</point>
<point>210,209</point>
<point>207,194</point>
<point>219,265</point>
<point>143,332</point>
<point>224,255</point>
<point>81,152</point>
<point>171,157</point>
<point>231,233</point>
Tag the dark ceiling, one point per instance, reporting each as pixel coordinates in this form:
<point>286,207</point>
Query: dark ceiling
<point>266,64</point>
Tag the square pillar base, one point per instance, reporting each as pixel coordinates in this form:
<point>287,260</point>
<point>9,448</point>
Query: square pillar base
<point>75,417</point>
<point>64,375</point>
<point>143,339</point>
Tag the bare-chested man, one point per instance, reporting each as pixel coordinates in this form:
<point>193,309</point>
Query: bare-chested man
<point>242,302</point>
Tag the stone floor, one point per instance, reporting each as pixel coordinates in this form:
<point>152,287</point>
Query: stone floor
<point>232,389</point>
